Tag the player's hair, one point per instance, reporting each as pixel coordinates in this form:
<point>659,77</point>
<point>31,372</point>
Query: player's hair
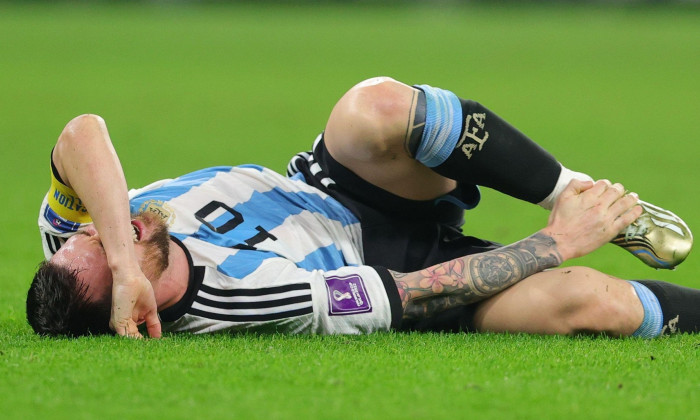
<point>57,304</point>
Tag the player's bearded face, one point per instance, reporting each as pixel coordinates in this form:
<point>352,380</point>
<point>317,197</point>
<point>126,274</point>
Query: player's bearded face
<point>156,246</point>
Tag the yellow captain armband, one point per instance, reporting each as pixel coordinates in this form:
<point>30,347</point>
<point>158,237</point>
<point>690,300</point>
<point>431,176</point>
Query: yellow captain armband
<point>66,204</point>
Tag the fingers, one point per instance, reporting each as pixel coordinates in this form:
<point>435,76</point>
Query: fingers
<point>603,193</point>
<point>129,328</point>
<point>628,218</point>
<point>153,325</point>
<point>125,328</point>
<point>622,209</point>
<point>606,190</point>
<point>624,203</point>
<point>613,192</point>
<point>627,209</point>
<point>599,188</point>
<point>588,215</point>
<point>134,303</point>
<point>577,186</point>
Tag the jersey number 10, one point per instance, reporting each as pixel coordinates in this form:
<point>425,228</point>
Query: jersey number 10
<point>231,223</point>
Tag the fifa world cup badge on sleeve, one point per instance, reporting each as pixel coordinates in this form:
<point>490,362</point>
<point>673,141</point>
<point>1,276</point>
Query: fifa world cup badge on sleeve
<point>347,295</point>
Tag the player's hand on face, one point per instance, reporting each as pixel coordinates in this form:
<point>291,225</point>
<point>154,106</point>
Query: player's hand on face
<point>588,215</point>
<point>133,303</point>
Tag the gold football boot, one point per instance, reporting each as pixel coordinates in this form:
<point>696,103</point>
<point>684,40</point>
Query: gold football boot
<point>658,237</point>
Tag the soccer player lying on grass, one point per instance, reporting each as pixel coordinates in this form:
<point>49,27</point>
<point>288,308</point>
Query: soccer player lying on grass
<point>363,235</point>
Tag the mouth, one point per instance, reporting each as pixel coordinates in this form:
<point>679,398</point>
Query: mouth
<point>137,227</point>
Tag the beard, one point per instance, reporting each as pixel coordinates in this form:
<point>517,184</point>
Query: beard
<point>157,246</point>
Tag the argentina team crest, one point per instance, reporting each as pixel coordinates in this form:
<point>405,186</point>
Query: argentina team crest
<point>160,209</point>
<point>347,295</point>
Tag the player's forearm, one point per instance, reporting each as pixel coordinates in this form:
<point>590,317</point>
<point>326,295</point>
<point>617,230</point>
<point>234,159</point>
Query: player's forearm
<point>475,277</point>
<point>87,163</point>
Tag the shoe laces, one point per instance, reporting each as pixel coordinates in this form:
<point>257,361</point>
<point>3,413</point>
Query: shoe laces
<point>634,230</point>
<point>638,228</point>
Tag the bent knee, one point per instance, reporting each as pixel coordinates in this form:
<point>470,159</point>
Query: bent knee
<point>369,122</point>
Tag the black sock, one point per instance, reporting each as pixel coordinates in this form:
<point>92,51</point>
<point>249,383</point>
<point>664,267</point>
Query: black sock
<point>680,306</point>
<point>488,151</point>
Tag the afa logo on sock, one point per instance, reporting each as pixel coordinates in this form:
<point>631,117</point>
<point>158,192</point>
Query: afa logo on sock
<point>474,129</point>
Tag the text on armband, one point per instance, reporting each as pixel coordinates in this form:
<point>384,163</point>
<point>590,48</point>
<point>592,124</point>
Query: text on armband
<point>70,202</point>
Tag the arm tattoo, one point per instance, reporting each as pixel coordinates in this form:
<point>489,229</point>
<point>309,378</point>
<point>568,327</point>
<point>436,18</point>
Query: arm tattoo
<point>475,277</point>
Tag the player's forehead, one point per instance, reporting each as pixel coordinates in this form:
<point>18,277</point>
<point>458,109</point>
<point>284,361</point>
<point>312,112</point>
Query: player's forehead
<point>87,258</point>
<point>76,247</point>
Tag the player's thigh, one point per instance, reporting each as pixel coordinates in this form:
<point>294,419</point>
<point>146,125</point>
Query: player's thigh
<point>563,301</point>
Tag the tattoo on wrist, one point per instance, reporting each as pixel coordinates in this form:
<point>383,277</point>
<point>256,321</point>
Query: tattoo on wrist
<point>472,278</point>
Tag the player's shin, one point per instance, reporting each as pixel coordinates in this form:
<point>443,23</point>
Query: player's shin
<point>463,140</point>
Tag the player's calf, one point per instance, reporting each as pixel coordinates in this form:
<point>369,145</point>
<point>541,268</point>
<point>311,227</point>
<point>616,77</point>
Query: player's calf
<point>566,301</point>
<point>463,140</point>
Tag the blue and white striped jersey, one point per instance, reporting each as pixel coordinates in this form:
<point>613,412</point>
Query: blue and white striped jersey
<point>268,253</point>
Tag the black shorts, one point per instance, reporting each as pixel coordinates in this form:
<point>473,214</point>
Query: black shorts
<point>397,233</point>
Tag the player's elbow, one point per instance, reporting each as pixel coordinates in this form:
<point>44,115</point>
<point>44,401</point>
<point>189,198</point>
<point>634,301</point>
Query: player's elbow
<point>80,133</point>
<point>77,128</point>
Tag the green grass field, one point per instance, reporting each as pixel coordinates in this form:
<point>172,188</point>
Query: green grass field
<point>613,91</point>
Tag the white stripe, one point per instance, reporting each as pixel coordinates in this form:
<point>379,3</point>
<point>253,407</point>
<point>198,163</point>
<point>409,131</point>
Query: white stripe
<point>263,298</point>
<point>292,167</point>
<point>49,243</point>
<point>659,212</point>
<point>320,233</point>
<point>256,311</point>
<point>670,220</point>
<point>666,225</point>
<point>316,141</point>
<point>315,168</point>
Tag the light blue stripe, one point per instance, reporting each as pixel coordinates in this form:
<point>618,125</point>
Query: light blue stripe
<point>298,177</point>
<point>476,197</point>
<point>269,210</point>
<point>245,262</point>
<point>443,123</point>
<point>652,256</point>
<point>177,187</point>
<point>326,258</point>
<point>251,166</point>
<point>653,316</point>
